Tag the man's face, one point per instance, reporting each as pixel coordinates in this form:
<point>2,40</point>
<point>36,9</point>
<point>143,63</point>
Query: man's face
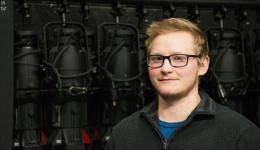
<point>171,81</point>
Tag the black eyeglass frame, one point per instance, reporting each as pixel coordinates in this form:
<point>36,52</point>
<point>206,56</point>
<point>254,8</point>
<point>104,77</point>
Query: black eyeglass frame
<point>168,57</point>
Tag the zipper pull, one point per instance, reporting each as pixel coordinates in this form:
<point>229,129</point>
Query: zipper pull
<point>165,145</point>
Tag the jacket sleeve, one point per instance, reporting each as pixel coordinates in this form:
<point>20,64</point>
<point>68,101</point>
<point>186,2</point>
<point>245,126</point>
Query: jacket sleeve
<point>249,139</point>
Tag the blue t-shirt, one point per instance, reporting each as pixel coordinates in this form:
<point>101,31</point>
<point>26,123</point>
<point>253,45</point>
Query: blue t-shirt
<point>168,128</point>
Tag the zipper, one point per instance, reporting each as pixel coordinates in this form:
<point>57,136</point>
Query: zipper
<point>165,145</point>
<point>164,141</point>
<point>186,122</point>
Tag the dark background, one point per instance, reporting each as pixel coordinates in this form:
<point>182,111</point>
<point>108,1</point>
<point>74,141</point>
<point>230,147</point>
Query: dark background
<point>242,15</point>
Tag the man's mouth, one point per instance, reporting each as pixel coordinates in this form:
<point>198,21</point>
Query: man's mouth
<point>168,79</point>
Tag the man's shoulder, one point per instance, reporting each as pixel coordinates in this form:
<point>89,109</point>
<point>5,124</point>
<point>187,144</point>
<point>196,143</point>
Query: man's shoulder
<point>225,116</point>
<point>128,122</point>
<point>228,117</point>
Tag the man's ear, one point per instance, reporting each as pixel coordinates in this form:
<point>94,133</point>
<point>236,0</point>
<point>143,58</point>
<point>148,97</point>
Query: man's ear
<point>204,65</point>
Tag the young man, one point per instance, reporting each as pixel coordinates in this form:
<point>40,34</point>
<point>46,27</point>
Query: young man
<point>182,118</point>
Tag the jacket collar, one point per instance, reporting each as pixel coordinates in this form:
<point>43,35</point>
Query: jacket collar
<point>206,107</point>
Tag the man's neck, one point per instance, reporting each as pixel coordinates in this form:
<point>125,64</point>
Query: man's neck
<point>177,109</point>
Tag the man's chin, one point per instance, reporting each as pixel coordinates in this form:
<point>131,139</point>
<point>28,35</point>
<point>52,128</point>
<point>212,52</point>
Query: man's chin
<point>170,96</point>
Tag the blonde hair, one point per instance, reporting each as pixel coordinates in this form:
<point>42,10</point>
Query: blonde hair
<point>178,24</point>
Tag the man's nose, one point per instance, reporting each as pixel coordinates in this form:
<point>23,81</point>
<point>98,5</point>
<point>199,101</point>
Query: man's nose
<point>166,67</point>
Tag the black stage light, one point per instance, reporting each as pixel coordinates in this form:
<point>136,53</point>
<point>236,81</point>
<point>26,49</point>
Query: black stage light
<point>228,61</point>
<point>28,110</point>
<point>68,55</point>
<point>70,62</point>
<point>119,60</point>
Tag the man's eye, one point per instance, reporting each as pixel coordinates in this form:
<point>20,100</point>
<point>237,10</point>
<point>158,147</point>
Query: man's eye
<point>179,58</point>
<point>156,58</point>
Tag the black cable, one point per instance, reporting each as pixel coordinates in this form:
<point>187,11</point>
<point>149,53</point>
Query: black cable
<point>56,73</point>
<point>27,53</point>
<point>114,51</point>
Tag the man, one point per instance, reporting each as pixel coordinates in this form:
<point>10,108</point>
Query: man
<point>182,118</point>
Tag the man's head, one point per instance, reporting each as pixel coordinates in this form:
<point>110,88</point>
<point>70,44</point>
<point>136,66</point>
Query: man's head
<point>174,25</point>
<point>177,55</point>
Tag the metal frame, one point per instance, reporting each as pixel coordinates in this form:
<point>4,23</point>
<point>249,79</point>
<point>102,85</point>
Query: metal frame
<point>6,75</point>
<point>236,3</point>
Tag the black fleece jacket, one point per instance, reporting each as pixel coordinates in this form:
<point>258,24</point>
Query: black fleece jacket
<point>209,127</point>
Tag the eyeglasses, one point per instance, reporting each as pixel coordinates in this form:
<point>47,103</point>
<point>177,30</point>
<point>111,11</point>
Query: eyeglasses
<point>177,60</point>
